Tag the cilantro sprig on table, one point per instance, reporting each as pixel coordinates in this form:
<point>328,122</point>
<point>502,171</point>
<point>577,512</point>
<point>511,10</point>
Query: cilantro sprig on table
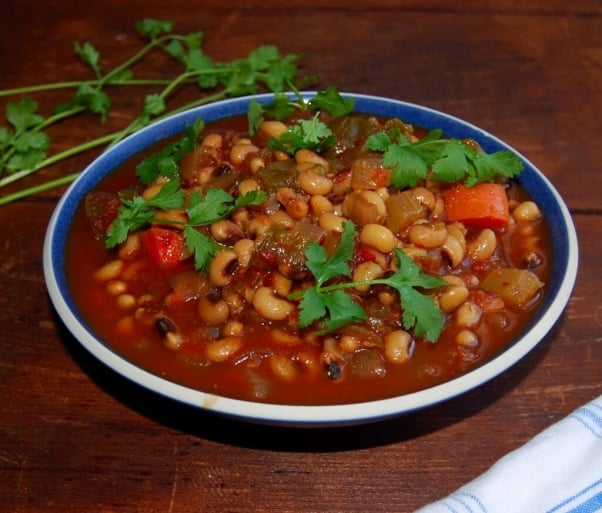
<point>216,204</point>
<point>448,160</point>
<point>333,307</point>
<point>25,146</point>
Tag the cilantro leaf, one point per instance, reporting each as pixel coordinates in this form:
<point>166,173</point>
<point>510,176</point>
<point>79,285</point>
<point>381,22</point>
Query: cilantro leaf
<point>342,310</point>
<point>208,209</point>
<point>23,115</point>
<point>152,28</point>
<point>311,307</point>
<point>331,101</point>
<point>335,308</point>
<point>166,161</point>
<point>420,312</point>
<point>203,247</point>
<point>137,212</point>
<point>449,160</point>
<point>89,55</point>
<point>324,267</point>
<point>311,134</point>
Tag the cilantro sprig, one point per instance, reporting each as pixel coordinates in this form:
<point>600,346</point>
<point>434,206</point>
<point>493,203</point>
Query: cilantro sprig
<point>312,134</point>
<point>449,160</point>
<point>216,204</point>
<point>333,307</point>
<point>25,145</point>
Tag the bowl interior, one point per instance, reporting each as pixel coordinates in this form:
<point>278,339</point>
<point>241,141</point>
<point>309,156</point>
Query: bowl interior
<point>564,269</point>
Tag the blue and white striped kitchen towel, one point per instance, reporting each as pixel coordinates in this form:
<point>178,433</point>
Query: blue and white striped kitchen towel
<point>558,471</point>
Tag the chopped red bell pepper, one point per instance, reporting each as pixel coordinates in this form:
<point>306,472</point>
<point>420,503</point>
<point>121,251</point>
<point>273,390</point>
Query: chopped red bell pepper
<point>165,247</point>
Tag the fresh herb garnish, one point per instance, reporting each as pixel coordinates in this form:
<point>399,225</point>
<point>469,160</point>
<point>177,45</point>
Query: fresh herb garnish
<point>449,160</point>
<point>332,306</point>
<point>312,134</point>
<point>166,161</point>
<point>24,143</point>
<point>216,204</point>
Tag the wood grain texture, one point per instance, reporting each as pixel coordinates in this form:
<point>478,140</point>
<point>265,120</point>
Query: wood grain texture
<point>76,437</point>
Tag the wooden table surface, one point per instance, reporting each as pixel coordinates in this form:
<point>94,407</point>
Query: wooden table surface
<point>76,437</point>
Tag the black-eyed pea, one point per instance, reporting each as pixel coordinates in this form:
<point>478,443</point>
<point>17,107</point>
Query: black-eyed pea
<point>214,141</point>
<point>383,192</point>
<point>452,279</point>
<point>259,225</point>
<point>399,346</point>
<point>256,164</point>
<point>467,338</point>
<point>173,341</point>
<point>280,155</point>
<point>271,307</point>
<point>223,349</point>
<point>413,252</point>
<point>468,315</point>
<point>425,197</point>
<point>428,235</point>
<point>284,338</point>
<point>175,219</point>
<point>244,249</point>
<point>233,329</point>
<point>454,249</point>
<point>526,212</point>
<point>483,246</point>
<point>282,367</point>
<point>281,218</point>
<point>235,302</point>
<point>438,210</point>
<point>331,222</point>
<point>249,294</point>
<point>211,312</point>
<point>366,271</point>
<point>295,205</point>
<point>220,268</point>
<point>152,190</point>
<point>281,284</point>
<point>226,231</point>
<point>240,151</point>
<point>109,271</point>
<point>273,128</point>
<point>241,216</point>
<point>386,298</point>
<point>364,207</point>
<point>320,204</point>
<point>458,230</point>
<point>305,155</point>
<point>116,287</point>
<point>349,343</point>
<point>247,185</point>
<point>452,297</point>
<point>314,183</point>
<point>378,237</point>
<point>130,247</point>
<point>125,301</point>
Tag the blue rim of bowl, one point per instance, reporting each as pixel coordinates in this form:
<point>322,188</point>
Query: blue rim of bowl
<point>563,275</point>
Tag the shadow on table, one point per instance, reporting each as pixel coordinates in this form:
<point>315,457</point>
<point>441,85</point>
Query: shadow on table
<point>206,425</point>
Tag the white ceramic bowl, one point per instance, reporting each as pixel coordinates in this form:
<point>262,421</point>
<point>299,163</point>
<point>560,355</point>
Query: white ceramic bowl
<point>559,287</point>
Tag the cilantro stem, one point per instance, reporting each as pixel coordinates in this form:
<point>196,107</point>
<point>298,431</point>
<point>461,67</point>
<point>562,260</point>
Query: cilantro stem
<point>37,189</point>
<point>24,144</point>
<point>76,83</point>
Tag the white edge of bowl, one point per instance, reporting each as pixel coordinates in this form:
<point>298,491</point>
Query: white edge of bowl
<point>324,415</point>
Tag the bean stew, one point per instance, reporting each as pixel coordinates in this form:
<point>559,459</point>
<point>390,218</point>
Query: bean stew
<point>255,269</point>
